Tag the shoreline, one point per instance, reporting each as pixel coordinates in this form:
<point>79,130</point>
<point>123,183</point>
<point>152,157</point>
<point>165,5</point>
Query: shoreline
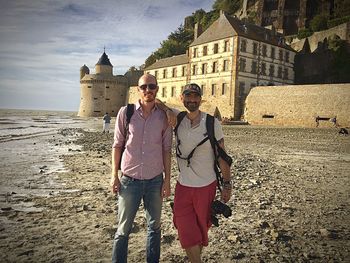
<point>290,202</point>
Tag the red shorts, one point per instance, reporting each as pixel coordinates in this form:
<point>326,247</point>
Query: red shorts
<point>192,210</point>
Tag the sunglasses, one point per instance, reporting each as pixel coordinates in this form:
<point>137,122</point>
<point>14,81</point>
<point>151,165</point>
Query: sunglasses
<point>149,86</point>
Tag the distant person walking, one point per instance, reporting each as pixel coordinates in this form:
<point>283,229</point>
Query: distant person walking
<point>106,122</point>
<point>145,167</point>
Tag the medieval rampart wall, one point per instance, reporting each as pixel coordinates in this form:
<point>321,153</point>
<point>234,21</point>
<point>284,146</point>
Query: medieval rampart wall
<point>299,105</point>
<point>342,31</point>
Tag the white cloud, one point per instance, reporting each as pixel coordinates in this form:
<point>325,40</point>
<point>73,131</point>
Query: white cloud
<point>44,43</point>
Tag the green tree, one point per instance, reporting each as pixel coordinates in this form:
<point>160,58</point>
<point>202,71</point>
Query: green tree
<point>305,32</point>
<point>318,23</point>
<point>229,6</point>
<point>150,60</point>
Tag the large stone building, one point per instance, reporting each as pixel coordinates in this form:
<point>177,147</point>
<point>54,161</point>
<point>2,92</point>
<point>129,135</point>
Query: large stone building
<point>227,61</point>
<point>104,92</point>
<point>287,16</point>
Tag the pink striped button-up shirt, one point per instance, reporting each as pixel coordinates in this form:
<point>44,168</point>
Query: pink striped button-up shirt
<point>147,140</point>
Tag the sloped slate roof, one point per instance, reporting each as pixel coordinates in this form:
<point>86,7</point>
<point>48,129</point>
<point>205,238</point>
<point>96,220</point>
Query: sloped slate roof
<point>169,62</point>
<point>228,26</point>
<point>104,60</point>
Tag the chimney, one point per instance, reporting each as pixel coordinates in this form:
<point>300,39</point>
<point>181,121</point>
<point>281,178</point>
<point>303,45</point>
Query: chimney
<point>197,30</point>
<point>222,12</point>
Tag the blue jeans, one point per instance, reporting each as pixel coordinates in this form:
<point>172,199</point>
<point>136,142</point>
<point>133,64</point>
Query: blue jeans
<point>130,194</point>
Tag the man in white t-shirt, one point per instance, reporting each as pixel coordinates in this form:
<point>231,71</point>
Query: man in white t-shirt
<point>196,185</point>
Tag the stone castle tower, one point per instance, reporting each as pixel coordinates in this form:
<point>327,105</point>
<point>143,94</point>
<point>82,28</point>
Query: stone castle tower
<point>104,92</point>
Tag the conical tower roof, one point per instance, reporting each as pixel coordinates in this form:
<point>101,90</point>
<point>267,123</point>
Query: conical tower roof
<point>104,60</point>
<point>84,67</point>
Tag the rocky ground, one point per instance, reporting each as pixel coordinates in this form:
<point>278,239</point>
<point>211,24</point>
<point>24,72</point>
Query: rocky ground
<point>291,203</point>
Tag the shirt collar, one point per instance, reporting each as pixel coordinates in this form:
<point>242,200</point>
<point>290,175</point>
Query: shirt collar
<point>138,106</point>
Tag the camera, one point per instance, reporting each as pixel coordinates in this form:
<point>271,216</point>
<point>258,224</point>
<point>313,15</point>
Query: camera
<point>219,208</point>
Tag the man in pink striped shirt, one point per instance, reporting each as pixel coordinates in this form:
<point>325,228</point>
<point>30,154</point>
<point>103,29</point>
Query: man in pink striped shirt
<point>145,167</point>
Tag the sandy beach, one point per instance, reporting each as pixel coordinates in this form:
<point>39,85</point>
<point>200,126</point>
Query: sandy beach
<point>291,199</point>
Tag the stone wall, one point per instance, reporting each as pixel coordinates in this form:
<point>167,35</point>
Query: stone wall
<point>343,31</point>
<point>299,105</point>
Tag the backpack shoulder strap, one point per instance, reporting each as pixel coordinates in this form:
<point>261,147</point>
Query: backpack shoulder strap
<point>129,112</point>
<point>209,123</point>
<point>179,117</point>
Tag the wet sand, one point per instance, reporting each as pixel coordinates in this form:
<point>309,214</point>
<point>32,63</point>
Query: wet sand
<point>291,203</point>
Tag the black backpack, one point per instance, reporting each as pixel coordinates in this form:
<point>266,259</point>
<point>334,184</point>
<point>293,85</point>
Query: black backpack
<point>218,151</point>
<point>129,112</point>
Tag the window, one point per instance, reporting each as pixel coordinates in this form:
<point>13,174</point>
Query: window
<point>215,66</point>
<point>156,73</point>
<point>264,50</point>
<point>226,45</point>
<point>243,45</point>
<point>194,69</point>
<point>205,50</point>
<point>107,87</point>
<point>224,88</point>
<point>255,48</point>
<point>174,72</point>
<point>172,91</point>
<point>213,88</point>
<point>287,56</point>
<point>95,98</point>
<point>216,48</point>
<point>242,62</point>
<point>280,54</point>
<point>285,73</point>
<point>164,92</point>
<point>107,99</point>
<point>263,68</point>
<point>183,70</point>
<point>203,89</point>
<point>195,50</point>
<point>164,73</point>
<point>204,68</point>
<point>89,87</point>
<point>279,72</point>
<point>273,51</point>
<point>225,67</point>
<point>241,89</point>
<point>254,67</point>
<point>271,70</point>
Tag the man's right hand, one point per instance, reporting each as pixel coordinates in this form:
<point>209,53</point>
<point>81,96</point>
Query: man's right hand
<point>115,184</point>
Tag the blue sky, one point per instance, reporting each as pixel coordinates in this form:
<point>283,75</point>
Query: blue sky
<point>43,43</point>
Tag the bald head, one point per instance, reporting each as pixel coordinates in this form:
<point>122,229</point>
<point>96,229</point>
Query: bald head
<point>147,79</point>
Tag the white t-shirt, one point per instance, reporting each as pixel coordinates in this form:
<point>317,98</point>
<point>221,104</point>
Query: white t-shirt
<point>201,169</point>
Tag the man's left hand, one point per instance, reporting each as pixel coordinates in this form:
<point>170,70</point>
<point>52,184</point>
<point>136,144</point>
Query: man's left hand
<point>166,190</point>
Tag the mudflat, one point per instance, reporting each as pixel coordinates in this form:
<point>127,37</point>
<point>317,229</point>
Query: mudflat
<point>290,203</point>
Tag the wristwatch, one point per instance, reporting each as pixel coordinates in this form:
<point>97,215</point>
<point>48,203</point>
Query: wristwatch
<point>227,184</point>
